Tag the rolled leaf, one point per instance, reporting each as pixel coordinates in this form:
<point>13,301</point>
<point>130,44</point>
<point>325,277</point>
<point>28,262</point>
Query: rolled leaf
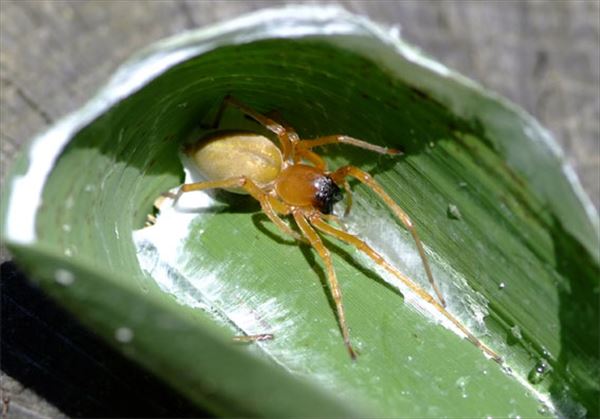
<point>512,239</point>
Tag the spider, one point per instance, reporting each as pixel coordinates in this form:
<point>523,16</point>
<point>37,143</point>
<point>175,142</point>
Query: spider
<point>294,180</point>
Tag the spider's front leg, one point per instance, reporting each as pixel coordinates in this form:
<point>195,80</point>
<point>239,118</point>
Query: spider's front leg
<point>339,177</point>
<point>304,147</point>
<point>344,139</point>
<point>334,286</point>
<point>352,240</point>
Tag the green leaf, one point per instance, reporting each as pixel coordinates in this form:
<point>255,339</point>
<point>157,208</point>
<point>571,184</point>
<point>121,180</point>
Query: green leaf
<point>511,237</point>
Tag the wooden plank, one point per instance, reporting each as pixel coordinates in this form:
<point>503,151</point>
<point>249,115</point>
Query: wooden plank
<point>543,55</point>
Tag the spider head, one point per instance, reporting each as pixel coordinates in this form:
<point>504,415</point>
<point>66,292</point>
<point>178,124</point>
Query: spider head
<point>328,194</point>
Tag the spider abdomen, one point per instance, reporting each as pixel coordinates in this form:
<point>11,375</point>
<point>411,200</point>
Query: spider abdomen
<point>234,154</point>
<point>307,186</point>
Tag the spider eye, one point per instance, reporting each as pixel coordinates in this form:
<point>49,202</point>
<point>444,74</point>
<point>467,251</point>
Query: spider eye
<point>328,193</point>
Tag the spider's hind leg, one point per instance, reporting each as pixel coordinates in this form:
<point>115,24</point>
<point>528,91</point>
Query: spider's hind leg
<point>286,135</point>
<point>269,205</point>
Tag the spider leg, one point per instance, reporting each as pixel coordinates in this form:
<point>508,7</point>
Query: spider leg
<point>286,135</point>
<point>346,185</point>
<point>321,225</point>
<point>219,115</point>
<point>311,157</point>
<point>266,201</point>
<point>339,176</point>
<point>252,338</point>
<point>327,228</point>
<point>334,286</point>
<point>344,139</point>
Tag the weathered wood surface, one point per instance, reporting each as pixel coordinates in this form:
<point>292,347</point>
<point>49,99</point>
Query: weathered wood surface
<point>543,55</point>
